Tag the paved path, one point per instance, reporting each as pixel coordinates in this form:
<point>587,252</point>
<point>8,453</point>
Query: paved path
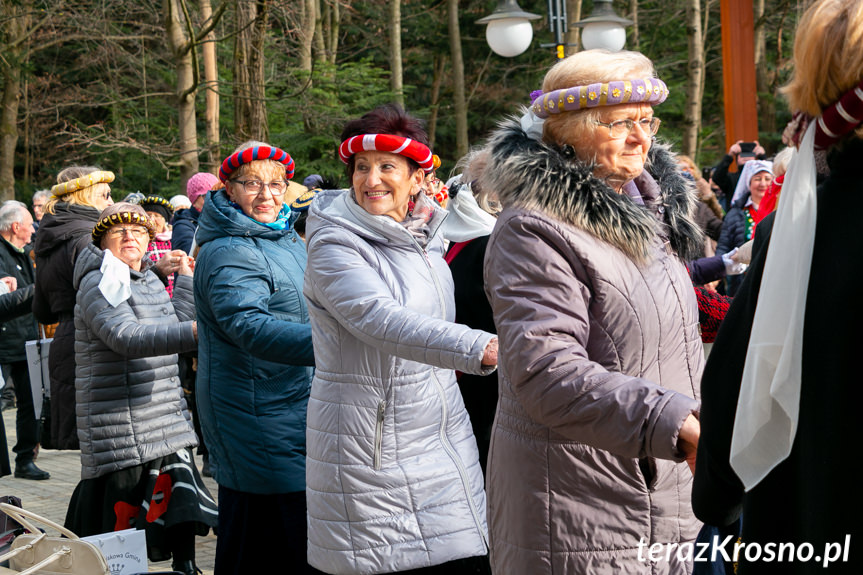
<point>51,498</point>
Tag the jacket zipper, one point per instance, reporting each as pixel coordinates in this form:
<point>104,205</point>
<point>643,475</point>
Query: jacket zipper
<point>445,415</point>
<point>379,433</point>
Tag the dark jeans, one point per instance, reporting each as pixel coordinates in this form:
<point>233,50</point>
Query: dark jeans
<point>26,425</point>
<point>256,530</point>
<point>467,566</point>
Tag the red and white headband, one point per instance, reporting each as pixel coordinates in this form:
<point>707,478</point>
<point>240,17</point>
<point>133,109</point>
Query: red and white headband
<point>419,153</point>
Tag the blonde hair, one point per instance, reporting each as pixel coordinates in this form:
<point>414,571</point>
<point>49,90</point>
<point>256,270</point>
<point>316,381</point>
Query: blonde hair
<point>689,163</point>
<point>780,161</point>
<point>472,165</point>
<point>588,67</point>
<point>828,56</point>
<point>82,197</point>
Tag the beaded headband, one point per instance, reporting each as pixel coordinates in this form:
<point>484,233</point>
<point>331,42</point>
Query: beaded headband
<point>157,201</point>
<point>237,159</point>
<point>641,91</point>
<point>302,203</point>
<point>420,153</point>
<point>127,217</point>
<point>81,183</point>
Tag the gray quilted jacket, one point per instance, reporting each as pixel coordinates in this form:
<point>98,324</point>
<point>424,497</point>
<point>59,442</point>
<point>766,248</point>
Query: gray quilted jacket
<point>129,402</point>
<point>600,364</point>
<point>392,469</point>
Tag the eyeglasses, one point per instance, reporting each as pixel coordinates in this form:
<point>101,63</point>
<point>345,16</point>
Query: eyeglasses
<point>277,188</point>
<point>119,233</point>
<point>622,128</point>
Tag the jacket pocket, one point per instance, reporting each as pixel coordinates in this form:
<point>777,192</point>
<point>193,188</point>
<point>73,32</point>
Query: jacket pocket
<point>379,433</point>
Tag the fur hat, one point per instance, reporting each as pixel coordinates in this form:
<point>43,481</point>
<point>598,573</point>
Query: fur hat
<point>200,184</point>
<point>159,205</point>
<point>118,214</point>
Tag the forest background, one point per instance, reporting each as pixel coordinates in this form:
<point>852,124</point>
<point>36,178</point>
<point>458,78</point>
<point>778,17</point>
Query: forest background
<point>156,91</point>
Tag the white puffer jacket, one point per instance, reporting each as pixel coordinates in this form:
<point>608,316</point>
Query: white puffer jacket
<point>392,470</point>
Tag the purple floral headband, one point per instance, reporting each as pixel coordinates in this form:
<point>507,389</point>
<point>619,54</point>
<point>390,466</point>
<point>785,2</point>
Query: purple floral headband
<point>647,91</point>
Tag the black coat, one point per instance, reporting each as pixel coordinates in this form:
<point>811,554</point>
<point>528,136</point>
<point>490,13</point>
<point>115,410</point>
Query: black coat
<point>14,333</point>
<point>813,496</point>
<point>184,226</point>
<point>61,237</point>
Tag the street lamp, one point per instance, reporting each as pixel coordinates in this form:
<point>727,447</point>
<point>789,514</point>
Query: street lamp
<point>509,31</point>
<point>603,28</point>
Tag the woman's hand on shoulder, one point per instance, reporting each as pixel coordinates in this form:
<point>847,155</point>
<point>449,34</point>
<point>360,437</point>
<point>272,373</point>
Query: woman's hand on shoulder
<point>489,357</point>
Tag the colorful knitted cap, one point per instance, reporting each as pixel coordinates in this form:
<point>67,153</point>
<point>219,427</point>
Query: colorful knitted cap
<point>199,184</point>
<point>118,214</point>
<point>419,153</point>
<point>237,159</point>
<point>159,205</point>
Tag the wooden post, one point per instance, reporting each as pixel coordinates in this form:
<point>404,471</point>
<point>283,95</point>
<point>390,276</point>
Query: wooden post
<point>738,71</point>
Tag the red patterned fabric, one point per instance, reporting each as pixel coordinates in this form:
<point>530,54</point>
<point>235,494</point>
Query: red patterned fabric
<point>420,153</point>
<point>156,251</point>
<point>712,308</point>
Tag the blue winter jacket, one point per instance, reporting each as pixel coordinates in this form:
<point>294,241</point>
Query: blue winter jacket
<point>254,350</point>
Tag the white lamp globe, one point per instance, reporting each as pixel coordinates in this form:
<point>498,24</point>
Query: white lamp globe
<point>509,37</point>
<point>603,35</point>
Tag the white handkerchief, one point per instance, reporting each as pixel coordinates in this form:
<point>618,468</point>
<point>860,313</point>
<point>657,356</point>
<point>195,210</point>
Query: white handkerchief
<point>115,283</point>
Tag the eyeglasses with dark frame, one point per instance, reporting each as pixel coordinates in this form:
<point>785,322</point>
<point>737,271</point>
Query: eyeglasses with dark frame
<point>622,128</point>
<point>277,187</point>
<point>119,233</point>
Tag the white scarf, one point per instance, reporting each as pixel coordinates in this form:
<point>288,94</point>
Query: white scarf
<point>466,221</point>
<point>115,284</point>
<point>769,401</point>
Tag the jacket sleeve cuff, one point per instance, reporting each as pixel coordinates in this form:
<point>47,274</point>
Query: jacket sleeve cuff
<point>475,360</point>
<point>666,429</point>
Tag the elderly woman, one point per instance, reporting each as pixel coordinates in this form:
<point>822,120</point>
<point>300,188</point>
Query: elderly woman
<point>70,214</point>
<point>394,482</point>
<point>776,439</point>
<point>134,429</point>
<point>737,228</point>
<point>254,362</point>
<point>598,326</point>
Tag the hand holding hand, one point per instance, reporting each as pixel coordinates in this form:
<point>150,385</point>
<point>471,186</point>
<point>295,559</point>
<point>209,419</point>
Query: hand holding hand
<point>10,282</point>
<point>171,262</point>
<point>187,265</point>
<point>489,358</point>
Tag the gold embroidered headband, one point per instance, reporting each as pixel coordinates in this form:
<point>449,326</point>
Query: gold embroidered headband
<point>81,183</point>
<point>646,90</point>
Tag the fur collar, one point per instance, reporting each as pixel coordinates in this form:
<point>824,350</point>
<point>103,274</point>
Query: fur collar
<point>538,176</point>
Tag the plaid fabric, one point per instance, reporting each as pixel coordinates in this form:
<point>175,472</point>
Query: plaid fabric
<point>712,308</point>
<point>156,251</point>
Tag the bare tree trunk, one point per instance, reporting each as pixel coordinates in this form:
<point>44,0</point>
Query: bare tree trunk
<point>307,34</point>
<point>178,30</point>
<point>335,22</point>
<point>573,33</point>
<point>250,115</point>
<point>396,85</point>
<point>320,44</point>
<point>437,80</point>
<point>694,79</point>
<point>15,25</point>
<point>633,30</point>
<point>211,85</point>
<point>461,146</point>
<point>766,107</point>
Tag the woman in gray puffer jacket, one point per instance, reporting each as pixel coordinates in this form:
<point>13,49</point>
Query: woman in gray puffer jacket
<point>392,472</point>
<point>598,324</point>
<point>133,426</point>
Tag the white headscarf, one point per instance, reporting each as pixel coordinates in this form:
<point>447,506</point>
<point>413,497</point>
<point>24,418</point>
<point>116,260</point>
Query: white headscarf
<point>768,406</point>
<point>466,221</point>
<point>750,169</point>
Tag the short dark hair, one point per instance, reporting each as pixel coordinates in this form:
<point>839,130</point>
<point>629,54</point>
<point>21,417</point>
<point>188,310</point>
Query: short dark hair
<point>386,119</point>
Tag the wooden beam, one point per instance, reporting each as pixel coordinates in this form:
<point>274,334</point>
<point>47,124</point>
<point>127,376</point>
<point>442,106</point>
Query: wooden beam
<point>738,71</point>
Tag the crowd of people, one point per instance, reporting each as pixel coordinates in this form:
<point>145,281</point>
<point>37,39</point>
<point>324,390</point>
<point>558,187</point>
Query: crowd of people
<point>504,373</point>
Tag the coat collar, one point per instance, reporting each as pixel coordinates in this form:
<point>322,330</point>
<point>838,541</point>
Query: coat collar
<point>535,175</point>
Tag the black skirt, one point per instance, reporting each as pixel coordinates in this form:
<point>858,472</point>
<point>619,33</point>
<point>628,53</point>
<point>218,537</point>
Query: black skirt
<point>154,497</point>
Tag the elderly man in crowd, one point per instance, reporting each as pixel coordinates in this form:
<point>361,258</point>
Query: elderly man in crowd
<point>40,198</point>
<point>16,228</point>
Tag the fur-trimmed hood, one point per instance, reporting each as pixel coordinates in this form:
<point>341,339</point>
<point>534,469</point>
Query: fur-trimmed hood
<point>539,176</point>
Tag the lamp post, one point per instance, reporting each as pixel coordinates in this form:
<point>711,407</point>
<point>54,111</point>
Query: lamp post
<point>603,28</point>
<point>509,31</point>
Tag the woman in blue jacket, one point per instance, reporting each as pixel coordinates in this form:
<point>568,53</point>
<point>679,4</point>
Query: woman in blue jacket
<point>255,358</point>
